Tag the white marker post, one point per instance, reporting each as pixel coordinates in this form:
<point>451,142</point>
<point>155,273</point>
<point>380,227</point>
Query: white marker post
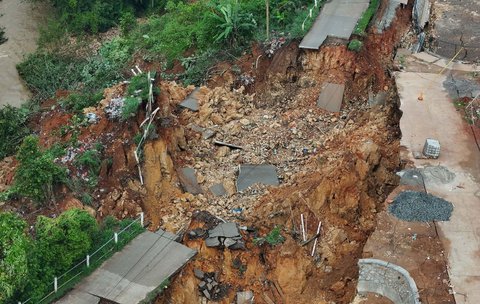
<point>55,284</point>
<point>88,260</point>
<point>141,219</point>
<point>303,228</point>
<point>316,239</point>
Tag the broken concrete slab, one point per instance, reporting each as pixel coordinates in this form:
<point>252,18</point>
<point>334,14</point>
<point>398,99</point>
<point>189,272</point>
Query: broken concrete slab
<point>228,230</point>
<point>225,234</point>
<point>188,180</point>
<point>331,97</point>
<point>218,190</point>
<point>191,102</point>
<point>256,174</point>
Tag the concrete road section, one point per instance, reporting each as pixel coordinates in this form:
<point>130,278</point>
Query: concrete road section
<point>436,117</point>
<point>132,273</point>
<point>337,19</point>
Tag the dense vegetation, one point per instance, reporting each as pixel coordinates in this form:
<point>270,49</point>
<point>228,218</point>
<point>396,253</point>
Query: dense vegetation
<point>36,173</point>
<point>206,30</point>
<point>13,128</point>
<point>31,261</point>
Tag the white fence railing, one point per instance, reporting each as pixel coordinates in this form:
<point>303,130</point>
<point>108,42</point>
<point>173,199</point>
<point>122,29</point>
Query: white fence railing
<point>95,256</point>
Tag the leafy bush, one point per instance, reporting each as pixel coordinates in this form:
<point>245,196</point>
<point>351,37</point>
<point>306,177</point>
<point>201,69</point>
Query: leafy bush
<point>363,22</point>
<point>90,160</point>
<point>274,237</point>
<point>14,249</point>
<point>128,22</point>
<point>13,128</point>
<point>130,107</point>
<point>77,101</point>
<point>59,244</point>
<point>140,86</point>
<point>235,26</point>
<point>29,265</point>
<point>355,45</point>
<point>37,173</point>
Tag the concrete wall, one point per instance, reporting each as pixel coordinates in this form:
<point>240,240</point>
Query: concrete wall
<point>388,280</point>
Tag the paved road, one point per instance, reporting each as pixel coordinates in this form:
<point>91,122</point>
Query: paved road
<point>337,19</point>
<point>132,273</point>
<point>436,117</point>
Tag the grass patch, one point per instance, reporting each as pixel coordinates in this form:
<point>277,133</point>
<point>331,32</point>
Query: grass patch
<point>355,45</point>
<point>363,22</point>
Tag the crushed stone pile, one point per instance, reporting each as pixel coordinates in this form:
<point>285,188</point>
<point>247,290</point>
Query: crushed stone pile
<point>414,206</point>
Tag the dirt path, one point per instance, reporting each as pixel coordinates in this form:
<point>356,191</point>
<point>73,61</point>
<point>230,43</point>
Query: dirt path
<point>21,20</point>
<point>436,117</point>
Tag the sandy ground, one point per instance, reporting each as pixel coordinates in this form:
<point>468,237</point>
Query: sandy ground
<point>436,117</point>
<point>21,20</point>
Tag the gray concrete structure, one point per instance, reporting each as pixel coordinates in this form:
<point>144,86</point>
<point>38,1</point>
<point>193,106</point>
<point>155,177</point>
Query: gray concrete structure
<point>191,102</point>
<point>131,274</point>
<point>253,174</point>
<point>388,280</point>
<point>337,19</point>
<point>389,14</point>
<point>331,97</point>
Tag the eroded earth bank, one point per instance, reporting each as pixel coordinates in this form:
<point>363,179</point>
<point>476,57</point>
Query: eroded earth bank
<point>337,168</point>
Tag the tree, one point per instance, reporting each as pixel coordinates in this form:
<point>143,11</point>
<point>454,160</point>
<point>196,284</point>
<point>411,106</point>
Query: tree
<point>37,172</point>
<point>59,244</point>
<point>14,248</point>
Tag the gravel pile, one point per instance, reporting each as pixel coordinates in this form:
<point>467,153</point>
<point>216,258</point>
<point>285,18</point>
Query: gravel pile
<point>414,206</point>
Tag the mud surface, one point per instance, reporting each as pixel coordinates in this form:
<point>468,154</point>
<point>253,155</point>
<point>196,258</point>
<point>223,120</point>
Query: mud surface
<point>21,20</point>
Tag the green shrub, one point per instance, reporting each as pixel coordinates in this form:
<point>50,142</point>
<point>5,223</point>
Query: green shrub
<point>355,45</point>
<point>59,244</point>
<point>128,22</point>
<point>140,86</point>
<point>77,101</point>
<point>13,128</point>
<point>36,173</point>
<point>274,237</point>
<point>130,107</point>
<point>234,25</point>
<point>14,249</point>
<point>90,160</point>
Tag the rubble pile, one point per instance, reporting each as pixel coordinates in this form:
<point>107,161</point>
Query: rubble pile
<point>209,285</point>
<point>250,134</point>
